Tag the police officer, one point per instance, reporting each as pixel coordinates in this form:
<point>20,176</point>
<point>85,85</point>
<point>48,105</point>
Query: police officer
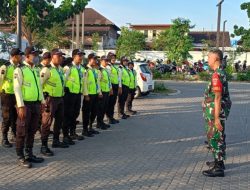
<point>8,100</point>
<point>28,93</point>
<point>116,87</point>
<point>46,59</point>
<point>74,73</point>
<point>91,94</point>
<point>52,79</point>
<point>216,108</point>
<point>125,78</point>
<point>106,89</point>
<point>132,88</point>
<point>45,63</point>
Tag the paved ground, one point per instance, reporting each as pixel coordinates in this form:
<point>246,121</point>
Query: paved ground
<point>160,148</point>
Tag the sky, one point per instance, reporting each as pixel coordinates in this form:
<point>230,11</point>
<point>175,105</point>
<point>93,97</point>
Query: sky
<point>202,13</point>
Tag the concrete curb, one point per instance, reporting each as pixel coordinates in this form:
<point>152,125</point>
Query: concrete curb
<point>175,93</point>
<point>199,82</point>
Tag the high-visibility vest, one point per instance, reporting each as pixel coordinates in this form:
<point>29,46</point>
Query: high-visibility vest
<point>125,76</point>
<point>54,86</point>
<point>8,79</point>
<point>132,79</point>
<point>114,75</point>
<point>105,81</point>
<point>91,81</point>
<point>75,79</point>
<point>31,86</point>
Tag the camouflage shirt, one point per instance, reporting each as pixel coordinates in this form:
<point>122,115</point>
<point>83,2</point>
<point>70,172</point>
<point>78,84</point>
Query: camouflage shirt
<point>218,83</point>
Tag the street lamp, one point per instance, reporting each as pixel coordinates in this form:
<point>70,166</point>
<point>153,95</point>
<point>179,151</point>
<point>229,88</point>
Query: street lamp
<point>19,25</point>
<point>218,23</point>
<point>223,36</point>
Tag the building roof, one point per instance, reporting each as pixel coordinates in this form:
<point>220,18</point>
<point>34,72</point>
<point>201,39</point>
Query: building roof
<point>93,18</point>
<point>150,26</point>
<point>198,36</point>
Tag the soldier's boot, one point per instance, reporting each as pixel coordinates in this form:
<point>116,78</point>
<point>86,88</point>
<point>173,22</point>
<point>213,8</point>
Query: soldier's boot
<point>216,171</point>
<point>21,161</point>
<point>32,158</point>
<point>45,149</point>
<point>212,163</point>
<point>5,141</point>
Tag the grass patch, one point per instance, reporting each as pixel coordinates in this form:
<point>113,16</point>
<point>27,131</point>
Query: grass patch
<point>162,89</point>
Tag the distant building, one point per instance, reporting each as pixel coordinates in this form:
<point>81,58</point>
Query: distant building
<point>210,37</point>
<point>94,22</point>
<point>152,30</point>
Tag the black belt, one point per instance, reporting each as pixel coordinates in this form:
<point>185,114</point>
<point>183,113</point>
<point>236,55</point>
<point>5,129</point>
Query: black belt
<point>32,102</point>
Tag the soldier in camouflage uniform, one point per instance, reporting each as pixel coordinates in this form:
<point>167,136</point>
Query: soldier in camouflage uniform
<point>216,108</point>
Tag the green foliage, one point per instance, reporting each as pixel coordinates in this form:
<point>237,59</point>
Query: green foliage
<point>175,41</point>
<point>160,87</point>
<point>39,15</point>
<point>243,33</point>
<point>243,76</point>
<point>130,42</point>
<point>204,76</point>
<point>53,37</point>
<point>229,71</point>
<point>95,40</point>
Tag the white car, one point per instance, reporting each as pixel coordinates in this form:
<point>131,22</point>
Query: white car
<point>145,82</point>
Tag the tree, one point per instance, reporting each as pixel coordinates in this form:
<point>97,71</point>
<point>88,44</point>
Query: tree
<point>130,42</point>
<point>175,41</point>
<point>95,40</point>
<point>39,15</point>
<point>243,33</point>
<point>52,38</point>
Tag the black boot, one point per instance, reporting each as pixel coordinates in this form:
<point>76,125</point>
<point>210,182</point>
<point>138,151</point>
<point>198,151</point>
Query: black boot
<point>5,142</point>
<point>101,126</point>
<point>21,161</point>
<point>68,140</point>
<point>32,158</point>
<point>57,144</point>
<point>86,133</point>
<point>211,164</point>
<point>75,136</point>
<point>45,149</point>
<point>216,171</point>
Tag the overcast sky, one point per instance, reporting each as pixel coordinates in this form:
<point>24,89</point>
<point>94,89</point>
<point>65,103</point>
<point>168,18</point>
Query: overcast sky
<point>202,13</point>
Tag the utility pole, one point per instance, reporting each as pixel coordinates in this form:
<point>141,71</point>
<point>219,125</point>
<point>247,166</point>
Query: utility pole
<point>77,30</point>
<point>73,32</point>
<point>19,24</point>
<point>218,23</point>
<point>223,36</point>
<point>83,21</point>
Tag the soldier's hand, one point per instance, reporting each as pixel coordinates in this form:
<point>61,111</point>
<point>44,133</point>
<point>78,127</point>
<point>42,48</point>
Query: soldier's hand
<point>21,113</point>
<point>120,90</point>
<point>86,98</point>
<point>218,125</point>
<point>100,95</point>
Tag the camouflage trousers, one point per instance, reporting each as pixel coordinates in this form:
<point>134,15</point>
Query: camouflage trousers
<point>216,139</point>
